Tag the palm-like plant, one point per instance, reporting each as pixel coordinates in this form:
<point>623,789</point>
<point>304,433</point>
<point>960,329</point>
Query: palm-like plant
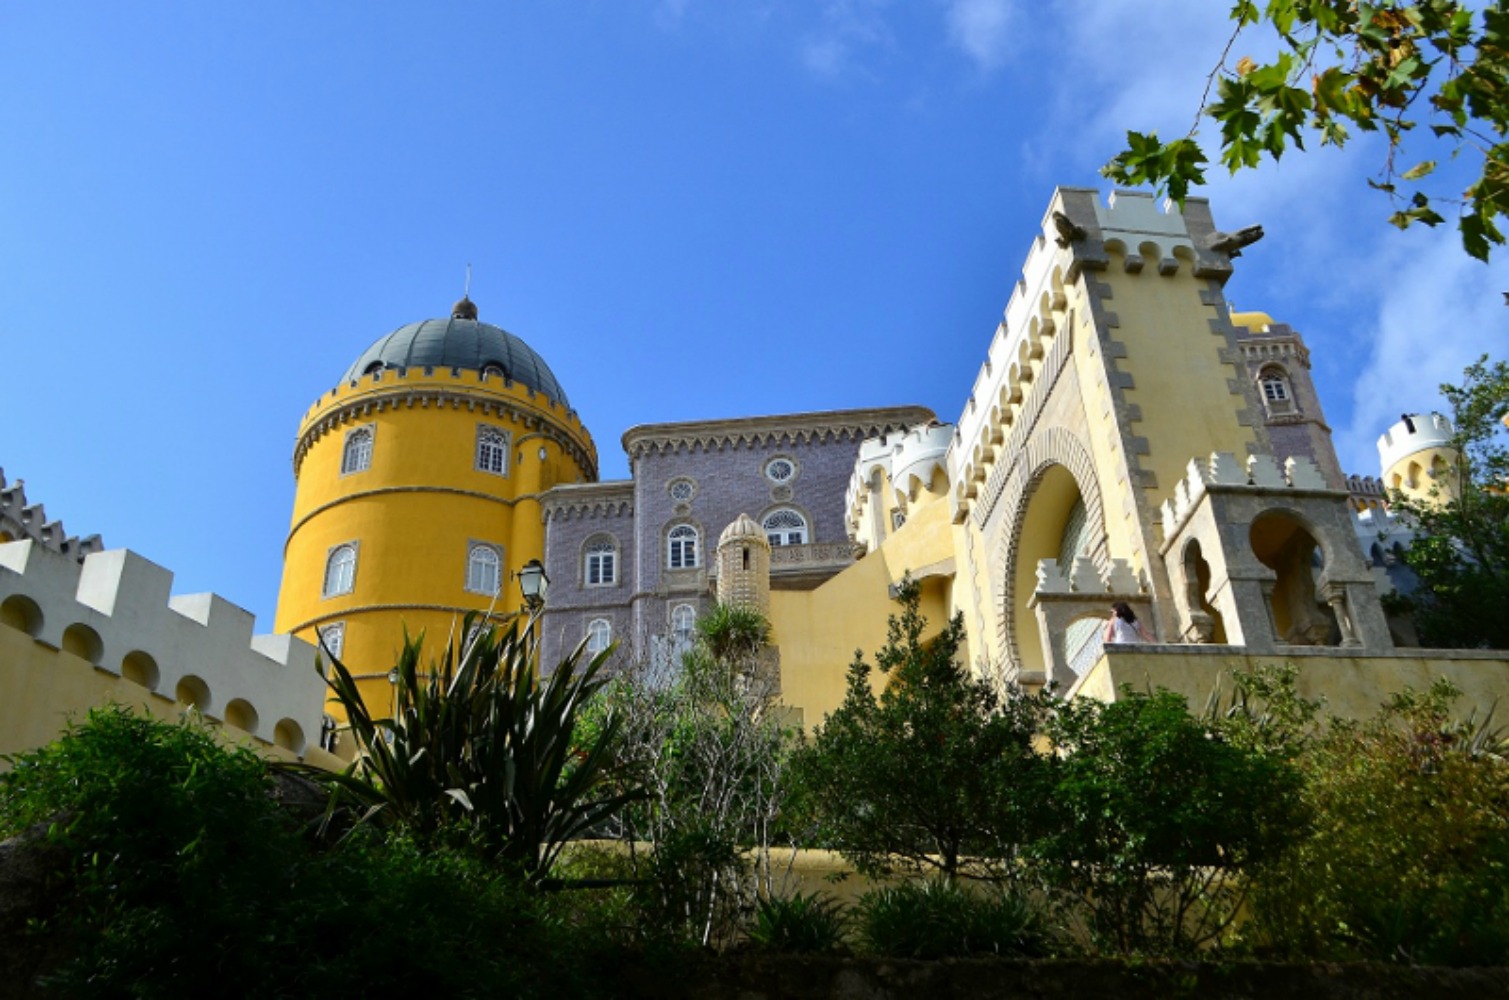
<point>482,743</point>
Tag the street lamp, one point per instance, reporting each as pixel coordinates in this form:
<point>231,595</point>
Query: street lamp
<point>532,584</point>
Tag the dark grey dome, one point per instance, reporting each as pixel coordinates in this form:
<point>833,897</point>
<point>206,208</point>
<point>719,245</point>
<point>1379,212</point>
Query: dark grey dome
<point>459,343</point>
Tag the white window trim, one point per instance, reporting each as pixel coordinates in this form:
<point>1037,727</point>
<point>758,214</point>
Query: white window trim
<point>796,469</point>
<point>592,549</point>
<point>671,547</point>
<point>670,489</point>
<point>592,632</point>
<point>325,589</point>
<point>473,547</point>
<point>503,448</point>
<point>370,430</point>
<point>337,648</point>
<point>806,529</point>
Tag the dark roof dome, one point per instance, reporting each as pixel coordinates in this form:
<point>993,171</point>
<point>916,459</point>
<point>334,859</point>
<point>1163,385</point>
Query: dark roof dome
<point>460,343</point>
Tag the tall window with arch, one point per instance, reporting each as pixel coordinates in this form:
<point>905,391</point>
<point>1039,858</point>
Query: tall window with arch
<point>681,547</point>
<point>599,635</point>
<point>483,569</point>
<point>492,451</point>
<point>333,638</point>
<point>785,527</point>
<point>340,570</point>
<point>600,561</point>
<point>683,627</point>
<point>357,455</point>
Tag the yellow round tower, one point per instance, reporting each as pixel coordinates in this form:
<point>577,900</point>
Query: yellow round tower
<point>418,491</point>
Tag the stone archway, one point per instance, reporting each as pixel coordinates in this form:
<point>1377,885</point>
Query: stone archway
<point>1057,459</point>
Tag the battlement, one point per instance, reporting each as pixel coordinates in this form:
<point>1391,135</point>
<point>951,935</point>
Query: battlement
<point>20,519</point>
<point>113,609</point>
<point>1259,472</point>
<point>439,388</point>
<point>908,456</point>
<point>1413,432</point>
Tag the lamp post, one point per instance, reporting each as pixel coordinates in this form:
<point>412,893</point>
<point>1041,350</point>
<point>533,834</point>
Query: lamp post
<point>532,584</point>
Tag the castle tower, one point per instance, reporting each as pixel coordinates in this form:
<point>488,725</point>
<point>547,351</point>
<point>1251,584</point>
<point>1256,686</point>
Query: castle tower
<point>744,565</point>
<point>1417,457</point>
<point>1278,368</point>
<point>419,479</point>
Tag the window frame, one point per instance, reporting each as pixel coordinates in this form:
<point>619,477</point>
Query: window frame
<point>355,434</point>
<point>474,549</point>
<point>782,536</point>
<point>348,576</point>
<point>600,552</point>
<point>492,442</point>
<point>591,633</point>
<point>676,547</point>
<point>683,637</point>
<point>796,469</point>
<point>336,649</point>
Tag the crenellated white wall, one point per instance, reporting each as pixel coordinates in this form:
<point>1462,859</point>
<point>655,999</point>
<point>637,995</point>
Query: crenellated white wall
<point>116,604</point>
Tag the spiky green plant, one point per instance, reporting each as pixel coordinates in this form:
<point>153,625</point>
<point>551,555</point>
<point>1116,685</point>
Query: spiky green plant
<point>481,746</point>
<point>804,923</point>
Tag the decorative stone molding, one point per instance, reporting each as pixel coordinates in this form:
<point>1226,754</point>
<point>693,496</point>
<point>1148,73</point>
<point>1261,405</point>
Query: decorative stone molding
<point>771,432</point>
<point>1211,526</point>
<point>402,388</point>
<point>589,500</point>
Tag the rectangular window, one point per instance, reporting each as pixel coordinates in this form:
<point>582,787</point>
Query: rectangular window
<point>492,450</point>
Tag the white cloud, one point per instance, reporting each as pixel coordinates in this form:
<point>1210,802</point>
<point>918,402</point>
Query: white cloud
<point>980,28</point>
<point>1436,310</point>
<point>846,28</point>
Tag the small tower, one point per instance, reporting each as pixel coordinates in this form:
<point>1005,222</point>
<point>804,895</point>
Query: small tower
<point>744,565</point>
<point>1417,456</point>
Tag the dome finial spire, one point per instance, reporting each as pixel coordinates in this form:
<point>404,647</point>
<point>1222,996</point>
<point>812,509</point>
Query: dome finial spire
<point>465,308</point>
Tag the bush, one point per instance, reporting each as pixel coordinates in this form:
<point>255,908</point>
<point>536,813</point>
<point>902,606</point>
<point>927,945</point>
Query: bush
<point>1408,857</point>
<point>805,923</point>
<point>937,919</point>
<point>177,870</point>
<point>1158,820</point>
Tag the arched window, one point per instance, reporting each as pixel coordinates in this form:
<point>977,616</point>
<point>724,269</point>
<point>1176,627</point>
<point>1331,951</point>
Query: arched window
<point>683,625</point>
<point>333,638</point>
<point>786,527</point>
<point>482,570</point>
<point>600,561</point>
<point>681,547</point>
<point>599,635</point>
<point>357,456</point>
<point>492,451</point>
<point>340,570</point>
<point>1277,396</point>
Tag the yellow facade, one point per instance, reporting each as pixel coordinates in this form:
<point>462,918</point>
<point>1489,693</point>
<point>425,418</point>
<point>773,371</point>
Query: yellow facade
<point>419,511</point>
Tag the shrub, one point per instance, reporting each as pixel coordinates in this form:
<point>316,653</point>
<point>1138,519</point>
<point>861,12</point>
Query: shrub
<point>806,923</point>
<point>937,919</point>
<point>1158,819</point>
<point>1408,856</point>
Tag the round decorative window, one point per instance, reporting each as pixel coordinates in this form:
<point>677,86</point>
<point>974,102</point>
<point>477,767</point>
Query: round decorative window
<point>682,490</point>
<point>780,470</point>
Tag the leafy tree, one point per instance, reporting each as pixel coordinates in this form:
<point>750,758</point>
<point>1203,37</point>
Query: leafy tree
<point>1461,548</point>
<point>710,746</point>
<point>1389,67</point>
<point>1158,819</point>
<point>481,748</point>
<point>936,773</point>
<point>1408,857</point>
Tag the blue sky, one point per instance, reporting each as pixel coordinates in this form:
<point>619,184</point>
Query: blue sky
<point>207,211</point>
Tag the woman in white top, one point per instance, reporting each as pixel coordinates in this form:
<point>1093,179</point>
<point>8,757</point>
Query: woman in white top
<point>1123,626</point>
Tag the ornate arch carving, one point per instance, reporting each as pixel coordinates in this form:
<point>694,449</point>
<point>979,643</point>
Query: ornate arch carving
<point>1045,449</point>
